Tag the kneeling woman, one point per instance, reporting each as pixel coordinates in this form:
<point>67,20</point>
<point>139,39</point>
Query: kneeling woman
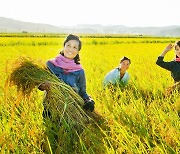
<point>118,76</point>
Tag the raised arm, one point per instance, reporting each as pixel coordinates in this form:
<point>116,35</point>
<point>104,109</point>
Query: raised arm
<point>166,50</point>
<point>160,62</point>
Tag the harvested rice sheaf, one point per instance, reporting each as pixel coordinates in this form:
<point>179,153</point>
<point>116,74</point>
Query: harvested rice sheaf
<point>61,100</point>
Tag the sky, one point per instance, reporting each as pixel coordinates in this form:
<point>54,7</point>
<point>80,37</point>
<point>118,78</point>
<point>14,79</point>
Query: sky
<point>131,13</point>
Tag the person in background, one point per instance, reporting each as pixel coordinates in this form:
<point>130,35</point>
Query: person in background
<point>119,75</point>
<point>172,66</point>
<point>66,66</point>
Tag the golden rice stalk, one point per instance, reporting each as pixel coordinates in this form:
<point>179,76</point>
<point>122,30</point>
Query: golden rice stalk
<point>61,100</point>
<point>171,89</point>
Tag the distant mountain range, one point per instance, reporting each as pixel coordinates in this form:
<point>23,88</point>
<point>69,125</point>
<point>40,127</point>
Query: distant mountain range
<point>8,25</point>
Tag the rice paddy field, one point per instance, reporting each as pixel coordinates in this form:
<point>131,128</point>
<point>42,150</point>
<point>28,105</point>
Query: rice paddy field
<point>139,118</point>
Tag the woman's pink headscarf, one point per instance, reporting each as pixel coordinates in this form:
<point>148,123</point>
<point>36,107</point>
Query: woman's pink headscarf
<point>68,65</point>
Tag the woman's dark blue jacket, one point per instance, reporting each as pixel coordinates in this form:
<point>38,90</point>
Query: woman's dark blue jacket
<point>75,79</point>
<point>172,66</point>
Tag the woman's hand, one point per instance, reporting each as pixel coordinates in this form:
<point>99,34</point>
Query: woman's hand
<point>44,86</point>
<point>167,49</point>
<point>89,104</point>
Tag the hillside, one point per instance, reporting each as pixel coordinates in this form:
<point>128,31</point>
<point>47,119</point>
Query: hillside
<point>8,25</point>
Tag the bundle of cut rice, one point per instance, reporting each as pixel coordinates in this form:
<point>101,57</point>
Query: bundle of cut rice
<point>175,87</point>
<point>61,100</point>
